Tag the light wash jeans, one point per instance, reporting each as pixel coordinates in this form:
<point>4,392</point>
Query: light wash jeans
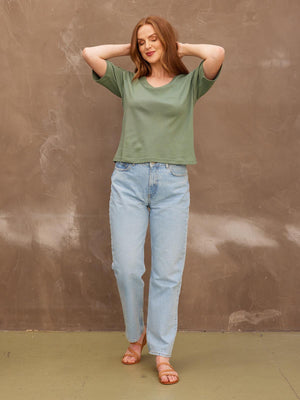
<point>158,193</point>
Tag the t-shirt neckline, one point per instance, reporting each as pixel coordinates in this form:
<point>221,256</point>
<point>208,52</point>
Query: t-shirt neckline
<point>147,84</point>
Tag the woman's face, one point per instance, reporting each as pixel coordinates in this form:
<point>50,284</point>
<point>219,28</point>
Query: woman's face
<point>149,44</point>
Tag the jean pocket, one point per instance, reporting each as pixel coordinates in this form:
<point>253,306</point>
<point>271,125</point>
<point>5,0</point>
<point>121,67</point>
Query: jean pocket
<point>122,166</point>
<point>178,169</point>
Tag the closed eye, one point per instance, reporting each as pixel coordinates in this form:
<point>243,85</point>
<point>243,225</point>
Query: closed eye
<point>141,42</point>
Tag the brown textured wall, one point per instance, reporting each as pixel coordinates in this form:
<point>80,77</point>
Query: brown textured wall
<point>59,131</point>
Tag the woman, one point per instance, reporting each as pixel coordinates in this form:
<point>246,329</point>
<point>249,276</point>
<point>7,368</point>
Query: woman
<point>150,179</point>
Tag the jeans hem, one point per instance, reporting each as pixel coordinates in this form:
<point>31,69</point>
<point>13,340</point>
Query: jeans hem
<point>133,341</point>
<point>157,353</point>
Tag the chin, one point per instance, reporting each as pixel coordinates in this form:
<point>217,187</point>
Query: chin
<point>153,60</point>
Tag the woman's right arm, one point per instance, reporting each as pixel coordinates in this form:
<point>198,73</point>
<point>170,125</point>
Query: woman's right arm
<point>95,56</point>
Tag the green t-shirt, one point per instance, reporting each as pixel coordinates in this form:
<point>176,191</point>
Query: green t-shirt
<point>157,121</point>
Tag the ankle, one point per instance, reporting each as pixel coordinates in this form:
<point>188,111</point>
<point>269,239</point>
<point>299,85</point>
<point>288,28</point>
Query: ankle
<point>160,359</point>
<point>141,338</point>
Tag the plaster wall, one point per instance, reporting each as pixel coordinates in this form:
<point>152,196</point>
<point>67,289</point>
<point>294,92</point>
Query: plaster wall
<point>59,131</point>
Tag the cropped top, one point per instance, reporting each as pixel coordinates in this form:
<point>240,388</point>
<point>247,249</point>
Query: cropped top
<point>157,121</point>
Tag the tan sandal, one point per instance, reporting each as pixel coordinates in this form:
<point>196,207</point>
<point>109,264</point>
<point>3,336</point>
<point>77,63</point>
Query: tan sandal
<point>167,371</point>
<point>133,353</point>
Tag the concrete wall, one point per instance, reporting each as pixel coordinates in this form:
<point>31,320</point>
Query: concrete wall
<point>59,131</point>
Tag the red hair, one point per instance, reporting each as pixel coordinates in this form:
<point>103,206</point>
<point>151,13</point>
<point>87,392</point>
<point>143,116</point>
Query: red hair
<point>170,59</point>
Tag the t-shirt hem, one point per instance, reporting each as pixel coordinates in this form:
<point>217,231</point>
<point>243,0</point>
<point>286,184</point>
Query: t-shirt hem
<point>154,159</point>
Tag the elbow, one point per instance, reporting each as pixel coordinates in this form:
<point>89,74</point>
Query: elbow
<point>84,53</point>
<point>220,54</point>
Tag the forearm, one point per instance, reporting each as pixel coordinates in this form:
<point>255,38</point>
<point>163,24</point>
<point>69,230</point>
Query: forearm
<point>108,50</point>
<point>203,51</point>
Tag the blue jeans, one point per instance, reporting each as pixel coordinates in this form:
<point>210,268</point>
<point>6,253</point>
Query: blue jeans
<point>158,193</point>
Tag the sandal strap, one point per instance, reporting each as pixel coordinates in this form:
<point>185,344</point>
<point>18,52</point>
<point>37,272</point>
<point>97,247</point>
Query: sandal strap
<point>170,372</point>
<point>166,371</point>
<point>163,363</point>
<point>131,351</point>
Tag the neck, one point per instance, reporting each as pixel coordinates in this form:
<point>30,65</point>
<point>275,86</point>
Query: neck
<point>158,71</point>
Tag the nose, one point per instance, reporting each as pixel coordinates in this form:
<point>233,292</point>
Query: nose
<point>148,45</point>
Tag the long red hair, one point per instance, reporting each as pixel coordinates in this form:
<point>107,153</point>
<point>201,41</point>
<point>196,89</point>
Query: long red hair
<point>170,60</point>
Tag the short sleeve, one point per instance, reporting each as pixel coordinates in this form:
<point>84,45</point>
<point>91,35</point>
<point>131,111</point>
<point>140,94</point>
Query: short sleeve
<point>113,79</point>
<point>201,84</point>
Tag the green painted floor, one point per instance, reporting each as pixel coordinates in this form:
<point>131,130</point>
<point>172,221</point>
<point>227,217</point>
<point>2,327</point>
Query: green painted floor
<point>211,365</point>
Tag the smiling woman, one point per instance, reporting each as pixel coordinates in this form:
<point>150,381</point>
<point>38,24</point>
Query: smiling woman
<point>150,180</point>
<point>154,44</point>
<point>150,45</point>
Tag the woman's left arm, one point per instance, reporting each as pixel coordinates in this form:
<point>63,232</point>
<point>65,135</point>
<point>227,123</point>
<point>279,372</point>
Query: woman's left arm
<point>213,56</point>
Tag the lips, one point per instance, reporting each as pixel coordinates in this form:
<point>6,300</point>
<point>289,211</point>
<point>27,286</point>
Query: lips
<point>150,53</point>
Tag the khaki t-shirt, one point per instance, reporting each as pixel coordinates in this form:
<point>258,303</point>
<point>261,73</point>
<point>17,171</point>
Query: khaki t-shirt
<point>157,121</point>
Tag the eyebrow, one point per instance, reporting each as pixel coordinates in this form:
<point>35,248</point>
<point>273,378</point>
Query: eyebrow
<point>152,34</point>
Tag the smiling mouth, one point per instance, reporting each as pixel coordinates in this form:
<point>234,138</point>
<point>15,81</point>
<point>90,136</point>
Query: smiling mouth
<point>150,53</point>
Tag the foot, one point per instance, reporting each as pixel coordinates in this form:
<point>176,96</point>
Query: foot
<point>128,357</point>
<point>166,378</point>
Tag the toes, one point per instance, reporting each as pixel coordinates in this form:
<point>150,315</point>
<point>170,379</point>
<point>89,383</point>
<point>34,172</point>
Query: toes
<point>168,378</point>
<point>128,359</point>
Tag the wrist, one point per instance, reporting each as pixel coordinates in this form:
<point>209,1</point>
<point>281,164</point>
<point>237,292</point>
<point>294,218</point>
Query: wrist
<point>126,49</point>
<point>188,49</point>
<point>181,49</point>
<point>184,49</point>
